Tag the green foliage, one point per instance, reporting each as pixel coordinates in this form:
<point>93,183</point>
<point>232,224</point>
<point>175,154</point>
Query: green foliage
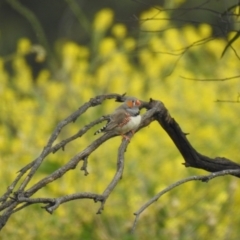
<point>138,66</point>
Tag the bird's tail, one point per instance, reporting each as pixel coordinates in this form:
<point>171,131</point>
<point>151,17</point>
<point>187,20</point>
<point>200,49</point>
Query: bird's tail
<point>100,130</point>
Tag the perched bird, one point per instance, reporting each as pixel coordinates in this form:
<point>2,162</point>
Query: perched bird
<point>124,119</point>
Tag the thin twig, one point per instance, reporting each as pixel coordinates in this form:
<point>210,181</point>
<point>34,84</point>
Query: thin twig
<point>211,79</point>
<point>204,178</point>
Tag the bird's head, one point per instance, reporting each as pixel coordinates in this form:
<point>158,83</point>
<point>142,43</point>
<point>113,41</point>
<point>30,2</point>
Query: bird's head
<point>132,102</point>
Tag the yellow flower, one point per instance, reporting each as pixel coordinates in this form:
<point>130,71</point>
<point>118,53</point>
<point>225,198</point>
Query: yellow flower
<point>43,77</point>
<point>190,34</point>
<point>173,40</point>
<point>154,19</point>
<point>205,30</point>
<point>23,46</point>
<point>103,19</point>
<point>145,56</point>
<point>155,44</point>
<point>107,46</point>
<point>119,30</point>
<point>70,54</point>
<point>70,49</point>
<point>237,10</point>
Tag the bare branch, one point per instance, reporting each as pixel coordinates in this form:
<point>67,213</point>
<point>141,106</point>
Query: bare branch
<point>12,202</point>
<point>204,178</point>
<point>53,203</point>
<point>84,166</point>
<point>72,118</point>
<point>211,79</point>
<point>227,101</point>
<point>118,174</point>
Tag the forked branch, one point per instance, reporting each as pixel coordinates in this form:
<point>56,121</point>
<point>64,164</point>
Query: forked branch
<point>16,198</point>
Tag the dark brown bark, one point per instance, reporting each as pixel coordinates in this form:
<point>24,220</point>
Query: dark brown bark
<point>191,156</point>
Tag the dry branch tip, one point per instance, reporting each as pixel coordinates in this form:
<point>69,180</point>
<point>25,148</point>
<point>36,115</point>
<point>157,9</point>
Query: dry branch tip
<point>120,98</point>
<point>84,166</point>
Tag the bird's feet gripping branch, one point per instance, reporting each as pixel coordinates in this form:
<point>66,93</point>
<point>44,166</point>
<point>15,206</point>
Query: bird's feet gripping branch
<point>126,118</point>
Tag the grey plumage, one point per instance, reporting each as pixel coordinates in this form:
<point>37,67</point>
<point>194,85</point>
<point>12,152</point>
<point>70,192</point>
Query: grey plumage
<point>115,120</point>
<point>124,118</point>
<point>132,110</point>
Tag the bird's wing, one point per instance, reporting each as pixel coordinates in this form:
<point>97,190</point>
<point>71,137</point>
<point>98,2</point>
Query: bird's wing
<point>117,119</point>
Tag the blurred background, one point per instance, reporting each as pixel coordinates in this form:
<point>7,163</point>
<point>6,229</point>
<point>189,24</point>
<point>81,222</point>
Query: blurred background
<point>56,55</point>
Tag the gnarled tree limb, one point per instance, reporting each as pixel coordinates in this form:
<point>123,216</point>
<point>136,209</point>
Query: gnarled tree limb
<point>17,198</point>
<point>191,156</point>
